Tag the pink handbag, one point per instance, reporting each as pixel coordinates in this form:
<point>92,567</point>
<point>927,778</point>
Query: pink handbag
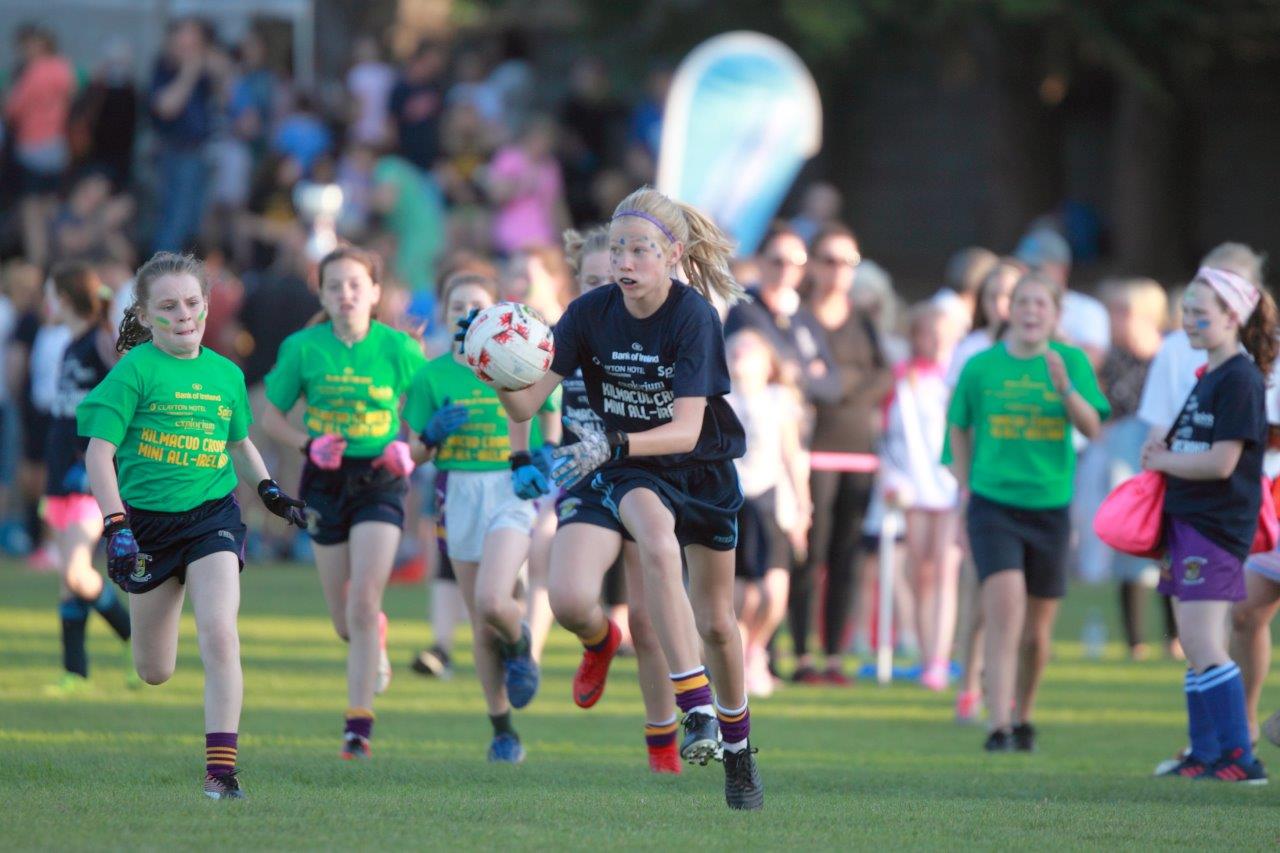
<point>1131,518</point>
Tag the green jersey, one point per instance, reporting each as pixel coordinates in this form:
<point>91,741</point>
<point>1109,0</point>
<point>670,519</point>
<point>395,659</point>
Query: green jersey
<point>483,443</point>
<point>170,419</point>
<point>1022,450</point>
<point>351,390</point>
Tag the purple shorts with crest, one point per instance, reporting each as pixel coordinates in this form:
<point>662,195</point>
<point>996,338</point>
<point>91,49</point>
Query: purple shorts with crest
<point>1197,569</point>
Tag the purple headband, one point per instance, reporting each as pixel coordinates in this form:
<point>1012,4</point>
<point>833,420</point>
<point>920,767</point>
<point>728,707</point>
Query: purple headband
<point>648,217</point>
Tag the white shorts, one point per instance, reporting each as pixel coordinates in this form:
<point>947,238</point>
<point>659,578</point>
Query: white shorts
<point>1266,564</point>
<point>476,503</point>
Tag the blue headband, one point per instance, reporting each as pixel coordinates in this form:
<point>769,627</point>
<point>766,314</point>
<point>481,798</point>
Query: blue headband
<point>648,217</point>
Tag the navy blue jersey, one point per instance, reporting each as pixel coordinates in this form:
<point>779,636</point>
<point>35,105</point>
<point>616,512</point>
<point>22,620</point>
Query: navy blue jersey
<point>576,413</point>
<point>634,368</point>
<point>82,369</point>
<point>1227,404</point>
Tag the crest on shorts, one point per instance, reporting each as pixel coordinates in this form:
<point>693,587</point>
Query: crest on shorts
<point>1191,568</point>
<point>313,520</point>
<point>141,573</point>
<point>569,508</point>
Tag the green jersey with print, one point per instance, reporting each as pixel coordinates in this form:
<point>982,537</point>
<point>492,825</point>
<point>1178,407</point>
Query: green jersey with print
<point>483,442</point>
<point>1022,450</point>
<point>352,390</point>
<point>170,419</point>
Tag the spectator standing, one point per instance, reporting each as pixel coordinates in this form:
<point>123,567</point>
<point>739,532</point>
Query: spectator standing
<point>526,185</point>
<point>369,85</point>
<point>36,110</point>
<point>417,105</point>
<point>182,110</point>
<point>847,425</point>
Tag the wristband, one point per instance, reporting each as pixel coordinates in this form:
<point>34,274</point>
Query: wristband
<point>113,522</point>
<point>619,444</point>
<point>519,459</point>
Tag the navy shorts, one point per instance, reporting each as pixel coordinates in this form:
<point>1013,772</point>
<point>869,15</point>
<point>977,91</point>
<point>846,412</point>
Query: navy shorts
<point>339,500</point>
<point>762,544</point>
<point>1196,568</point>
<point>1009,537</point>
<point>584,505</point>
<point>704,499</point>
<point>169,542</point>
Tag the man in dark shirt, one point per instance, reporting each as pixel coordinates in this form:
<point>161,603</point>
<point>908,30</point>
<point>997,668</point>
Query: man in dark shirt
<point>181,103</point>
<point>416,105</point>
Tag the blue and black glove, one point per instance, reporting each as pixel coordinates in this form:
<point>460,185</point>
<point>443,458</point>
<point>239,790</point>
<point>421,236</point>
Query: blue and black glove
<point>122,548</point>
<point>464,323</point>
<point>528,480</point>
<point>278,503</point>
<point>445,422</point>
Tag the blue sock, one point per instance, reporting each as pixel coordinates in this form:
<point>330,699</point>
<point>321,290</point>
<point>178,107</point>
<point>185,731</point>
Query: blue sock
<point>1222,691</point>
<point>113,610</point>
<point>1200,730</point>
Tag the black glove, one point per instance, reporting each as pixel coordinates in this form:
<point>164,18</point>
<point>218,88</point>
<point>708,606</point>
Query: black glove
<point>290,509</point>
<point>464,324</point>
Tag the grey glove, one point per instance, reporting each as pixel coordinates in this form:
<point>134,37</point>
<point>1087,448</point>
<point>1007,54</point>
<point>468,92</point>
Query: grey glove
<point>569,464</point>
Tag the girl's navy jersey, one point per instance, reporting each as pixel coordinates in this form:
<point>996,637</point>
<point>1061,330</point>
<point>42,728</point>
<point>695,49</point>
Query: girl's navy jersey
<point>82,369</point>
<point>1227,404</point>
<point>576,413</point>
<point>633,369</point>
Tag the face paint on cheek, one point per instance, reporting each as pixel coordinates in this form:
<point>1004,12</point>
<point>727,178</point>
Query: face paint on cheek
<point>204,312</point>
<point>162,322</point>
<point>1202,324</point>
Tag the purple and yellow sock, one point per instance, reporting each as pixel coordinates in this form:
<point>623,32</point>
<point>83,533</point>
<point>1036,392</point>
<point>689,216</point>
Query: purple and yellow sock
<point>597,642</point>
<point>693,690</point>
<point>735,726</point>
<point>220,752</point>
<point>660,735</point>
<point>359,722</point>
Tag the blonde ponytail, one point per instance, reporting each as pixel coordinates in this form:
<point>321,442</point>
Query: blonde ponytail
<point>707,249</point>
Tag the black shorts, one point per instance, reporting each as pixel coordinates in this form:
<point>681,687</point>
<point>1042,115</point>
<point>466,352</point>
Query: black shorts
<point>339,500</point>
<point>1007,537</point>
<point>169,542</point>
<point>704,499</point>
<point>444,570</point>
<point>585,505</point>
<point>35,433</point>
<point>762,544</point>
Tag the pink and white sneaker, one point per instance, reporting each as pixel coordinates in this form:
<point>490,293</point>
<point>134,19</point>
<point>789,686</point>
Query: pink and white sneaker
<point>936,676</point>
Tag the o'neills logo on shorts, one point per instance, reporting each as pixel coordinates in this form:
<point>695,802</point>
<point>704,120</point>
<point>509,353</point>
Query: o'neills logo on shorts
<point>569,508</point>
<point>141,574</point>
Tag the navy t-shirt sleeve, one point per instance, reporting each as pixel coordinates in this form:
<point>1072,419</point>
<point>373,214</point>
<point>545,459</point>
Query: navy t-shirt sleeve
<point>566,360</point>
<point>1240,415</point>
<point>700,369</point>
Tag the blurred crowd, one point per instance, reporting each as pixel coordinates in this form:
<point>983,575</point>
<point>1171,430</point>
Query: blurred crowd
<point>456,155</point>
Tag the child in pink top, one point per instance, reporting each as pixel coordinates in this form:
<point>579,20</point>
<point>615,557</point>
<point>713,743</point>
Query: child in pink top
<point>525,182</point>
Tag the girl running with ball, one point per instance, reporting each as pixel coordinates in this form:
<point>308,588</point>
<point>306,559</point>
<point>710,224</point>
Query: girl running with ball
<point>588,541</point>
<point>173,416</point>
<point>352,372</point>
<point>651,351</point>
<point>491,480</point>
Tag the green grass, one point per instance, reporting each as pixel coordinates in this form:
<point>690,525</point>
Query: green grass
<point>867,767</point>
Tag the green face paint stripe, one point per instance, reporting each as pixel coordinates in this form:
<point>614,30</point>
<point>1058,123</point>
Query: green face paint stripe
<point>203,314</point>
<point>161,321</point>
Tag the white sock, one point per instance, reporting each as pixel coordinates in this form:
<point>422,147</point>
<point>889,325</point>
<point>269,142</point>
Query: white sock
<point>736,746</point>
<point>701,709</point>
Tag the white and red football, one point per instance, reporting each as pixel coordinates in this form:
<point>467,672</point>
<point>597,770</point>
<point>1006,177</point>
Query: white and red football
<point>508,346</point>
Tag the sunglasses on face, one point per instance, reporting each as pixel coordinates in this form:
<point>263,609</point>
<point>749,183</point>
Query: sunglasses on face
<point>779,262</point>
<point>832,261</point>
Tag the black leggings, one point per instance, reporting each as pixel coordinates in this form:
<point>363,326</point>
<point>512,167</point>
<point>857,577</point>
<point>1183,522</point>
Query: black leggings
<point>839,503</point>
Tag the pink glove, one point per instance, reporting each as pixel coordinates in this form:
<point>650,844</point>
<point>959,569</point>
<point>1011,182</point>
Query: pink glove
<point>325,451</point>
<point>396,459</point>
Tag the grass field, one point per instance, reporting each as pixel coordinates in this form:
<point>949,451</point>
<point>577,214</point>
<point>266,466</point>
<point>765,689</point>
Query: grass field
<point>866,767</point>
